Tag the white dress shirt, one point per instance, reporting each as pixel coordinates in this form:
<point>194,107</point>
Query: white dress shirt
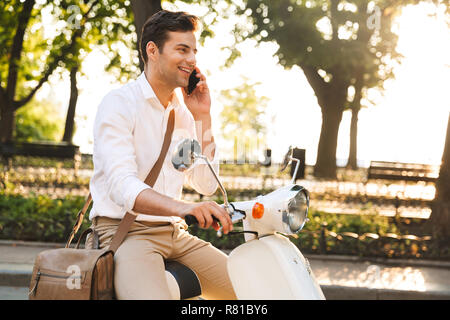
<point>129,131</point>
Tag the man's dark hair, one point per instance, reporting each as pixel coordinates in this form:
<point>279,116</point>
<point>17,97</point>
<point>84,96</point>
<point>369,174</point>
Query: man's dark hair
<point>156,28</point>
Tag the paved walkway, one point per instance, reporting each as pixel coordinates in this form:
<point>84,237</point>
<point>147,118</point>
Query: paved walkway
<point>341,277</point>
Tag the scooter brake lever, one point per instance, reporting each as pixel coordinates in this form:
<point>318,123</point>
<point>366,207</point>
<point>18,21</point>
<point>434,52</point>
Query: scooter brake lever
<point>236,216</point>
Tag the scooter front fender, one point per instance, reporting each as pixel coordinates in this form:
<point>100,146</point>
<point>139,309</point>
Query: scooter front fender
<point>272,268</point>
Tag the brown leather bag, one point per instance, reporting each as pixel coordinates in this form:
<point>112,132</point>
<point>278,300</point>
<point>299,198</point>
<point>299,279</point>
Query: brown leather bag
<point>86,274</point>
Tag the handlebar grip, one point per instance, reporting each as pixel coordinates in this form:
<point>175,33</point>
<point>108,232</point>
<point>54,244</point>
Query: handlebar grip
<point>190,219</point>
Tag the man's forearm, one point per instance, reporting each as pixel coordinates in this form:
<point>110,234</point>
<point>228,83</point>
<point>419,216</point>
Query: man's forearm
<point>151,202</point>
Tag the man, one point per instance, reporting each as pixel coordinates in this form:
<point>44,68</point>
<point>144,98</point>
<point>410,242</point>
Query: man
<point>128,134</point>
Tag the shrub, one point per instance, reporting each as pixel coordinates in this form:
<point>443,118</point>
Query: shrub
<point>38,218</point>
<point>41,218</point>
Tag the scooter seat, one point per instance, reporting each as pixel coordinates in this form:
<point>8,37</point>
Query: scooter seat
<point>187,280</point>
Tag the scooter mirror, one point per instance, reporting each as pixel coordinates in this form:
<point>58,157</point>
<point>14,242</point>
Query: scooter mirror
<point>287,159</point>
<point>185,153</point>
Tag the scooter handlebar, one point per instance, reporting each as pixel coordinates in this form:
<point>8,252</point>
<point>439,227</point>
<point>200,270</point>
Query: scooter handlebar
<point>190,219</point>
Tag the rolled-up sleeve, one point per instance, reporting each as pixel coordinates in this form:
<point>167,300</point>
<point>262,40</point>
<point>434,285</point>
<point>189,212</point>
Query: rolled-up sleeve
<point>200,177</point>
<point>115,152</point>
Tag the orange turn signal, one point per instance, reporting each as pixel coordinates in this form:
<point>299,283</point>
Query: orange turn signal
<point>257,210</point>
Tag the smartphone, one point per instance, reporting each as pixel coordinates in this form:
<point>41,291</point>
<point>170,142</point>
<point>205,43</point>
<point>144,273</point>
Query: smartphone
<point>193,80</point>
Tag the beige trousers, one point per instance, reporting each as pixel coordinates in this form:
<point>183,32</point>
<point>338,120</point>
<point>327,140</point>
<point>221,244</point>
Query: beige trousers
<point>139,262</point>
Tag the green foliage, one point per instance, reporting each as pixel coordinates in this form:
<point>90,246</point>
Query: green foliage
<point>38,162</point>
<point>58,35</point>
<point>38,218</point>
<point>32,126</point>
<point>325,234</point>
<point>51,178</point>
<point>41,218</point>
<point>361,223</point>
<point>8,17</point>
<point>332,37</point>
<point>106,24</point>
<point>242,119</point>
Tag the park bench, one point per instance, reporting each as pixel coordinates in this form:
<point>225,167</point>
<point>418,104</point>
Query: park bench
<point>53,150</point>
<point>402,171</point>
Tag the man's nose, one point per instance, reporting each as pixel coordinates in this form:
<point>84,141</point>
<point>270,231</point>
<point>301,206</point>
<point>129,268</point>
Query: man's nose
<point>191,60</point>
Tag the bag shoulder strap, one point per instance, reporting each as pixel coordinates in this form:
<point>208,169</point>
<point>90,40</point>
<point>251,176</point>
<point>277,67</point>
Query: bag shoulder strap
<point>129,218</point>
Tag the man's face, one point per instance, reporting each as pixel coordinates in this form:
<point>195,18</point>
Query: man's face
<point>177,60</point>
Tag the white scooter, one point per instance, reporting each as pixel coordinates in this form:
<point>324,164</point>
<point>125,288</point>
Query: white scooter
<point>268,265</point>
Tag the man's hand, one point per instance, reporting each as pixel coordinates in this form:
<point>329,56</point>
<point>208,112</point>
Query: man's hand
<point>204,212</point>
<point>199,102</point>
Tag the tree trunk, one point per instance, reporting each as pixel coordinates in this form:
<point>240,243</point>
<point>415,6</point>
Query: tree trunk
<point>325,166</point>
<point>7,104</point>
<point>16,49</point>
<point>7,123</point>
<point>440,216</point>
<point>355,107</point>
<point>70,119</point>
<point>353,153</point>
<point>331,98</point>
<point>142,10</point>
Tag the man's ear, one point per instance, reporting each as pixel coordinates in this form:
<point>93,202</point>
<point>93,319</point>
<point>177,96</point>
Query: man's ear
<point>151,49</point>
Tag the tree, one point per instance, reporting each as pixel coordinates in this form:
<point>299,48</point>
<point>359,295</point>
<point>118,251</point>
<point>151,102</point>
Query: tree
<point>355,107</point>
<point>28,59</point>
<point>85,25</point>
<point>70,118</point>
<point>122,29</point>
<point>242,119</point>
<point>15,17</point>
<point>439,221</point>
<point>22,72</point>
<point>338,44</point>
<point>334,46</point>
<point>363,79</point>
<point>108,23</point>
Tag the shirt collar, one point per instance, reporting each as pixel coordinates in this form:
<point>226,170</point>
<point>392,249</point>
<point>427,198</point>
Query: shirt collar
<point>148,92</point>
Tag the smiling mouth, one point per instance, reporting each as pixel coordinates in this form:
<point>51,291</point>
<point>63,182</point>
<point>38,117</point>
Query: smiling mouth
<point>186,70</point>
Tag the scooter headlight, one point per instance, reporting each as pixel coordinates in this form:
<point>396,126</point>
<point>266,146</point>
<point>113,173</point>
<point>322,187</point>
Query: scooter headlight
<point>297,212</point>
